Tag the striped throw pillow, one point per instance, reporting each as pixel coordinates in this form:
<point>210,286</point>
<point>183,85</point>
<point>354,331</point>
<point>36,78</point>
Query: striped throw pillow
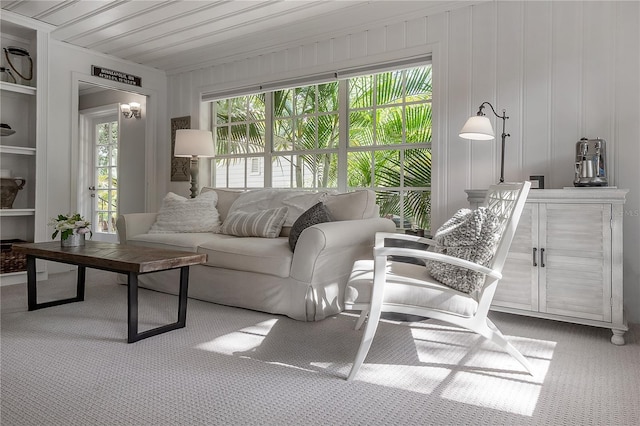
<point>263,223</point>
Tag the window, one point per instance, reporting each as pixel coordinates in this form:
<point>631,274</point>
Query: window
<point>105,208</point>
<point>294,138</point>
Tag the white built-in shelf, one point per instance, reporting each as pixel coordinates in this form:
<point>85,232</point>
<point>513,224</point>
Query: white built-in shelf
<point>17,212</point>
<point>18,150</point>
<point>17,88</point>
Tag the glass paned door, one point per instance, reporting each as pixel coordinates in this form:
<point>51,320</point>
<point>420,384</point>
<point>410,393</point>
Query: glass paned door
<point>105,177</point>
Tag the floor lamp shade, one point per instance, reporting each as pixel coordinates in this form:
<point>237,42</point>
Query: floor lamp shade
<point>478,128</point>
<point>194,143</point>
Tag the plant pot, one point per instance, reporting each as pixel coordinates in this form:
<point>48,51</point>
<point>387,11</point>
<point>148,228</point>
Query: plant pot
<point>73,240</point>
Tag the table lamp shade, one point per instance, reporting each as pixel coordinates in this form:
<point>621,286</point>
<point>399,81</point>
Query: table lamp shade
<point>190,142</point>
<point>477,127</point>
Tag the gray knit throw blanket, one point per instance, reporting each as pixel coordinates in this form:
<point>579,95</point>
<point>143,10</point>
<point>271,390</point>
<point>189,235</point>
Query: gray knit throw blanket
<point>472,235</point>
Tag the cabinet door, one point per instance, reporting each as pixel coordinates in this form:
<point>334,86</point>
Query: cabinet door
<point>575,274</point>
<point>518,288</point>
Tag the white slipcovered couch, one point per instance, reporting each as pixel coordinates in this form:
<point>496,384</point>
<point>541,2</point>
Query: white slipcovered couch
<point>265,274</point>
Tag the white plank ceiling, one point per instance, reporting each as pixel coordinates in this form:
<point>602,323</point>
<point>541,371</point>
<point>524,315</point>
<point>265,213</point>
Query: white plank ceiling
<point>177,36</point>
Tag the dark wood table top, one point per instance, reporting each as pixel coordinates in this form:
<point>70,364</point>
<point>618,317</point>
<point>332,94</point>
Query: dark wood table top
<point>111,256</point>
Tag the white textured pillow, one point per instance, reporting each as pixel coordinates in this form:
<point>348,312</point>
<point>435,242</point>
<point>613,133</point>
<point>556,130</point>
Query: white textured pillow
<point>264,223</point>
<point>179,214</point>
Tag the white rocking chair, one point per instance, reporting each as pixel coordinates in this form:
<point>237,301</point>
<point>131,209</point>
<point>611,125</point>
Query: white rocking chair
<point>380,285</point>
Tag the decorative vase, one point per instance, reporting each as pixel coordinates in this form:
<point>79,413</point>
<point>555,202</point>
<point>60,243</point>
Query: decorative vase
<point>9,188</point>
<point>73,240</point>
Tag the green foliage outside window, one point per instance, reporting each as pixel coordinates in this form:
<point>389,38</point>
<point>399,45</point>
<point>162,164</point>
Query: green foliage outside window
<point>389,137</point>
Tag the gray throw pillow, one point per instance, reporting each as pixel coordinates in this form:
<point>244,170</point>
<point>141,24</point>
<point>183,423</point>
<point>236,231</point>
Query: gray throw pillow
<point>263,223</point>
<point>316,214</point>
<point>471,235</point>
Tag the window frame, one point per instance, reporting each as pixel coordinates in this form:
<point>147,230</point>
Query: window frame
<point>342,150</point>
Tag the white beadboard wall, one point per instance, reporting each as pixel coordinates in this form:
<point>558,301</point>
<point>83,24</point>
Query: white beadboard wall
<point>561,70</point>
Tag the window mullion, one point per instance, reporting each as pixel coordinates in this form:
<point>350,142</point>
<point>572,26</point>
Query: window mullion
<point>268,139</point>
<point>343,132</point>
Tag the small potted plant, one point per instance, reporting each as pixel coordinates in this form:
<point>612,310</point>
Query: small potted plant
<point>72,228</point>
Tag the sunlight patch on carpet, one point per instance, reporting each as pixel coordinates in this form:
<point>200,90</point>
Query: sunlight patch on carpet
<point>493,379</point>
<point>240,341</point>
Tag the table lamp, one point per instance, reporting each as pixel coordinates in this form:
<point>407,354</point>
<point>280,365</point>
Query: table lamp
<point>193,144</point>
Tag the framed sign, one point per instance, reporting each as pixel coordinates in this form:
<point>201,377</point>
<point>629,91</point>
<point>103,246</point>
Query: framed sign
<point>179,165</point>
<point>119,76</point>
<point>537,182</point>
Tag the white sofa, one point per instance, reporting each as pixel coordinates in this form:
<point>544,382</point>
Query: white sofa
<point>264,274</point>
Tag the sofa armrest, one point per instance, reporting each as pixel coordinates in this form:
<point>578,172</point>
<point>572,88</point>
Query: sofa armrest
<point>132,224</point>
<point>328,250</point>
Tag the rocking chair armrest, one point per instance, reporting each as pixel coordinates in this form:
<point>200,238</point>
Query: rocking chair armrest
<point>381,236</point>
<point>438,257</point>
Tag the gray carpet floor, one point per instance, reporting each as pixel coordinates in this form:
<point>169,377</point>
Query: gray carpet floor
<point>71,365</point>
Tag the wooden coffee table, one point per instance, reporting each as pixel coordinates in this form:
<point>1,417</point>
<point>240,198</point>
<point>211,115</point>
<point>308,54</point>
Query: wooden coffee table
<point>125,259</point>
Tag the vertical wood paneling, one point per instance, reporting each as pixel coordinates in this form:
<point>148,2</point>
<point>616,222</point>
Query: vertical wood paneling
<point>279,62</point>
<point>536,141</point>
<point>308,55</point>
<point>358,47</point>
<point>325,51</point>
<point>437,29</point>
<point>509,63</point>
<point>484,164</point>
<point>254,66</point>
<point>566,90</point>
<point>395,36</point>
<point>598,62</point>
<point>294,59</point>
<point>458,94</point>
<point>340,49</point>
<point>265,64</point>
<point>416,32</point>
<point>376,41</point>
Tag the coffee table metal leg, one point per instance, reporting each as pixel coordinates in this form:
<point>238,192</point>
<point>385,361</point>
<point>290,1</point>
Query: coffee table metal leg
<point>82,273</point>
<point>182,302</point>
<point>32,292</point>
<point>134,336</point>
<point>132,309</point>
<point>32,288</point>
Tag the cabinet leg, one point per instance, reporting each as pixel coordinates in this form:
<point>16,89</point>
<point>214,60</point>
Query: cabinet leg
<point>618,337</point>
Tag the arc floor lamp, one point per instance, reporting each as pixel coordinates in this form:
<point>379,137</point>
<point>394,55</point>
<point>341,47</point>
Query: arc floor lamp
<point>479,128</point>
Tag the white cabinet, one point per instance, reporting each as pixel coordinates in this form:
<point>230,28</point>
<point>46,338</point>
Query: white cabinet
<point>22,153</point>
<point>565,262</point>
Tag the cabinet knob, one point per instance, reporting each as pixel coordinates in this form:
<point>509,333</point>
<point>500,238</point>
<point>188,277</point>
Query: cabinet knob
<point>535,252</point>
<point>542,257</point>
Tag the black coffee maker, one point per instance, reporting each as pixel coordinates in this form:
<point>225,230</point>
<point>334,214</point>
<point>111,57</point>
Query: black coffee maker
<point>591,163</point>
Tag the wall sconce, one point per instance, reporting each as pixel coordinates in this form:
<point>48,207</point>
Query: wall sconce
<point>131,110</point>
<point>479,128</point>
<point>193,144</point>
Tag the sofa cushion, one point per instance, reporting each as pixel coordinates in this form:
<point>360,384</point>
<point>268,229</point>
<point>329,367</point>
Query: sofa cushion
<point>296,201</point>
<point>178,241</point>
<point>271,256</point>
<point>180,214</point>
<point>352,205</point>
<point>226,197</point>
<point>316,214</point>
<point>263,223</point>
